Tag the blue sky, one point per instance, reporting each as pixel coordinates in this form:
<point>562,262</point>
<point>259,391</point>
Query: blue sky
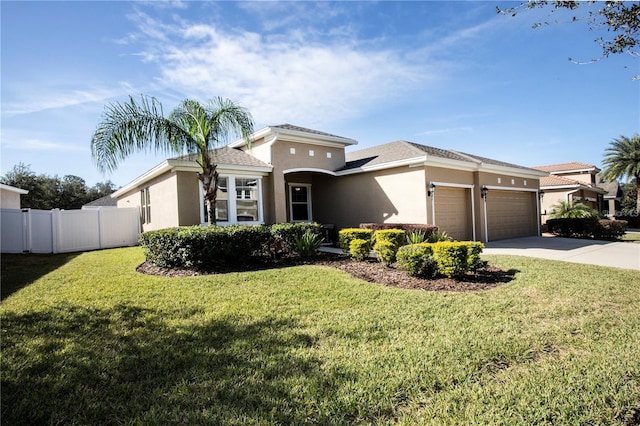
<point>453,75</point>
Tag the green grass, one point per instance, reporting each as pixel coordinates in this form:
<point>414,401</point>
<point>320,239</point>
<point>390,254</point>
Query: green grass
<point>631,236</point>
<point>87,340</point>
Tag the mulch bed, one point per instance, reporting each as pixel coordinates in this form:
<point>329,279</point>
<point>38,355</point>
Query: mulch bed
<point>485,278</point>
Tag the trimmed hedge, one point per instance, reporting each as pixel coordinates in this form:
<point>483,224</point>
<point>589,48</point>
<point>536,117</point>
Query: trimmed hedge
<point>387,243</point>
<point>347,234</point>
<point>205,247</point>
<point>448,258</point>
<point>602,229</point>
<point>359,249</point>
<point>213,246</point>
<point>417,260</point>
<point>408,227</point>
<point>285,236</point>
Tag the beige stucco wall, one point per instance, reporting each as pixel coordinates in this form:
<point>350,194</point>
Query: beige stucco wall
<point>9,199</point>
<point>390,196</point>
<point>163,195</point>
<point>188,198</point>
<point>555,196</point>
<point>284,160</point>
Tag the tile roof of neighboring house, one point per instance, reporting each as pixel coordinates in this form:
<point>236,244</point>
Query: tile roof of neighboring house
<point>305,130</point>
<point>106,201</point>
<point>566,167</point>
<point>403,150</point>
<point>229,157</point>
<point>552,180</point>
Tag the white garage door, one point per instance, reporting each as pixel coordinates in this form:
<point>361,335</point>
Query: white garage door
<point>453,212</point>
<point>511,214</point>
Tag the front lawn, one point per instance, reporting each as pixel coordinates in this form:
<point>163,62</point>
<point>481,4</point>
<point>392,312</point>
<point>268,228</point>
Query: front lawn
<point>87,340</point>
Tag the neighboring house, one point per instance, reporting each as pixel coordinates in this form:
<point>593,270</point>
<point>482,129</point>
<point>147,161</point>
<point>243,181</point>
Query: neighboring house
<point>106,201</point>
<point>612,197</point>
<point>571,182</point>
<point>294,174</point>
<point>10,196</point>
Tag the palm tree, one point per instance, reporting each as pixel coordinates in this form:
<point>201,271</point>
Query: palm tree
<point>191,128</point>
<point>622,158</point>
<point>565,209</point>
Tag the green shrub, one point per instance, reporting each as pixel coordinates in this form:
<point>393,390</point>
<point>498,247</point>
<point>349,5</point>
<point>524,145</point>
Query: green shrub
<point>359,249</point>
<point>417,260</point>
<point>610,229</point>
<point>385,251</point>
<point>284,236</point>
<point>346,235</point>
<point>587,228</point>
<point>387,243</point>
<point>474,250</point>
<point>308,243</point>
<point>416,237</point>
<point>437,236</point>
<point>205,247</point>
<point>451,258</point>
<point>448,258</point>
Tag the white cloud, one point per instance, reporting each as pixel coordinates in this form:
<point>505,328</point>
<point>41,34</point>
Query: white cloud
<point>283,77</point>
<point>33,102</point>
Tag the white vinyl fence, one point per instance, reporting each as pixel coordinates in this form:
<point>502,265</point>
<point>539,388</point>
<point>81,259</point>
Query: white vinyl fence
<point>62,231</point>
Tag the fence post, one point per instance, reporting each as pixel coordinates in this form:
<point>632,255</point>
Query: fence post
<point>100,227</point>
<point>26,230</point>
<point>55,230</point>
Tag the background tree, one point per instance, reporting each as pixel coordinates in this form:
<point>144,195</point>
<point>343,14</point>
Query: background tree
<point>622,159</point>
<point>191,128</point>
<point>50,192</point>
<point>621,20</point>
<point>629,201</point>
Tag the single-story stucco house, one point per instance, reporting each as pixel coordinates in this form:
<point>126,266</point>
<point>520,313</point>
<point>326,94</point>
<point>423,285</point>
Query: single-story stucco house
<point>10,196</point>
<point>290,174</point>
<point>573,183</point>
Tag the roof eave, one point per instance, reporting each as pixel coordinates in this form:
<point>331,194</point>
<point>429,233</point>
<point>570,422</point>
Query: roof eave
<point>296,136</point>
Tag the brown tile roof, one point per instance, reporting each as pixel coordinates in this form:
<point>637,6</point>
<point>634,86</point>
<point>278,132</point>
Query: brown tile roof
<point>403,150</point>
<point>566,167</point>
<point>558,181</point>
<point>229,157</point>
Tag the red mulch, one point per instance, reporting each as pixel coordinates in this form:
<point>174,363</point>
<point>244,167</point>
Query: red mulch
<point>485,278</point>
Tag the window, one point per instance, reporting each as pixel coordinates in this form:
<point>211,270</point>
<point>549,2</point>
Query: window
<point>145,205</point>
<point>238,199</point>
<point>300,202</point>
<point>222,200</point>
<point>246,199</point>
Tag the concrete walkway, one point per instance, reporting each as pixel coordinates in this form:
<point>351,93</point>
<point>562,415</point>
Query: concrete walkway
<point>605,253</point>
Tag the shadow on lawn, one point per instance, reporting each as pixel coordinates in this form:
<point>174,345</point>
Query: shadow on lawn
<point>125,365</point>
<point>20,270</point>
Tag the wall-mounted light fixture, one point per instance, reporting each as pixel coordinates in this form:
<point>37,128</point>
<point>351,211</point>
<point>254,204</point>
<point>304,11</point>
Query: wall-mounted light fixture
<point>541,194</point>
<point>431,190</point>
<point>483,192</point>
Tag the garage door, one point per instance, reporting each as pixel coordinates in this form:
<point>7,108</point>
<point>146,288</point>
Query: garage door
<point>453,212</point>
<point>511,214</point>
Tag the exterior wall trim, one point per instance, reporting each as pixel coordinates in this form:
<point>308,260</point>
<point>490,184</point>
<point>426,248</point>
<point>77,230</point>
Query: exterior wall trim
<point>309,169</point>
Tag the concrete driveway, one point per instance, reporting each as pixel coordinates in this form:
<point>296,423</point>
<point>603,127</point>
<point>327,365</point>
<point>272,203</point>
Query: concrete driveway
<point>605,253</point>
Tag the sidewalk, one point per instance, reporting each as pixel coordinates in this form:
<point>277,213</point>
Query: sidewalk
<point>604,253</point>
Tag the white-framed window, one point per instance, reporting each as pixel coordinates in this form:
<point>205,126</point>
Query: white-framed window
<point>238,200</point>
<point>145,205</point>
<point>300,202</point>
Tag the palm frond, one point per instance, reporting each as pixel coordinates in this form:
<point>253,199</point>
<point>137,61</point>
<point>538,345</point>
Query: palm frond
<point>134,127</point>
